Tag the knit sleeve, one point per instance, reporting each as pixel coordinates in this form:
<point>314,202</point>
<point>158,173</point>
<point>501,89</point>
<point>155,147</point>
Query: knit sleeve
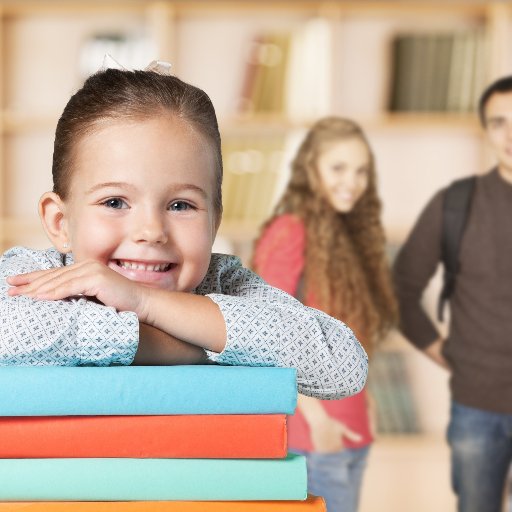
<point>68,332</point>
<point>414,266</point>
<point>279,254</point>
<point>267,327</point>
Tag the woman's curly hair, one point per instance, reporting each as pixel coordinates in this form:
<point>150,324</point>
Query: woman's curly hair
<point>346,267</point>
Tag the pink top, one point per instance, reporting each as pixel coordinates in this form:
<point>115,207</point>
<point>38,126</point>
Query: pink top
<point>279,259</point>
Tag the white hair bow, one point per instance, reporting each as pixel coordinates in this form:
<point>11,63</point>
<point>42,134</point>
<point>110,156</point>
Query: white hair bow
<point>157,66</point>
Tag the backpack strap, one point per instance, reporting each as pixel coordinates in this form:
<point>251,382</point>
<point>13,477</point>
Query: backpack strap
<point>456,207</point>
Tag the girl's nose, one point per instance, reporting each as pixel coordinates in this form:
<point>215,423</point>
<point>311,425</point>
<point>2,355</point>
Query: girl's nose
<point>509,130</point>
<point>349,180</point>
<point>150,228</point>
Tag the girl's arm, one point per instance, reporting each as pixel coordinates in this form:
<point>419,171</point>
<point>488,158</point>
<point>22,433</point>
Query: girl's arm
<point>76,331</point>
<point>266,326</point>
<point>159,348</point>
<point>243,318</point>
<point>326,433</point>
<point>60,333</point>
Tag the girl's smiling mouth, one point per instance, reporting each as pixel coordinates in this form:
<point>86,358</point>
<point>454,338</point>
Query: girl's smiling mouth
<point>152,273</point>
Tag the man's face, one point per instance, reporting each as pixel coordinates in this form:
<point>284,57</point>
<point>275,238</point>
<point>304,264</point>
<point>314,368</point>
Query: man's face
<point>498,127</point>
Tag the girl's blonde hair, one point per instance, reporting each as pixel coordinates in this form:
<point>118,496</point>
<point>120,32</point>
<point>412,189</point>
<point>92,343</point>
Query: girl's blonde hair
<point>345,262</point>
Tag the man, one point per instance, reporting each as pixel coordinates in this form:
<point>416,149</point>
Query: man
<point>478,349</point>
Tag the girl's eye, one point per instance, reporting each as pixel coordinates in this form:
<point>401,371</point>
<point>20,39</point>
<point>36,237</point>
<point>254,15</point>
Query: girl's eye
<point>496,123</point>
<point>180,206</point>
<point>115,203</point>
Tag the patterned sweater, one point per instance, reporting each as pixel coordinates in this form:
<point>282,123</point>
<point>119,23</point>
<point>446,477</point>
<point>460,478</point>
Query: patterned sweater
<point>265,327</point>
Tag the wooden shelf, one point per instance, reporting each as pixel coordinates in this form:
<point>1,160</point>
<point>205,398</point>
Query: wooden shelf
<point>473,8</point>
<point>19,123</point>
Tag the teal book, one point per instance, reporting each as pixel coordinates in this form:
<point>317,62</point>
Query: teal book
<point>146,390</point>
<point>153,479</point>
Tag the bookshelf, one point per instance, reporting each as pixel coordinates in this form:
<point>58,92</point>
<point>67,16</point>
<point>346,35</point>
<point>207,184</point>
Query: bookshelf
<point>313,58</point>
<point>334,40</point>
<point>338,53</point>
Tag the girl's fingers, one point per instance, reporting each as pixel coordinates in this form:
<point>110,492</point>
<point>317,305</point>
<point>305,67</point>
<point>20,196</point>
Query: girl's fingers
<point>62,283</point>
<point>22,279</point>
<point>351,435</point>
<point>90,279</point>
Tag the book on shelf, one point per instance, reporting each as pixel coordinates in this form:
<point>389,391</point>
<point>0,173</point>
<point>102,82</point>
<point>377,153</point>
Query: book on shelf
<point>228,436</point>
<point>312,503</point>
<point>252,167</point>
<point>443,47</point>
<point>146,390</point>
<point>288,73</point>
<point>438,72</point>
<point>264,80</point>
<point>389,383</point>
<point>309,76</point>
<point>115,479</point>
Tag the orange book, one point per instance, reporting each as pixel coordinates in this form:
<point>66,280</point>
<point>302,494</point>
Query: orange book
<point>181,436</point>
<point>312,503</point>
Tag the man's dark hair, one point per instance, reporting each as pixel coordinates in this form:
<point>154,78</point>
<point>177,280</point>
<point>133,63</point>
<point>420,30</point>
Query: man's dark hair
<point>501,85</point>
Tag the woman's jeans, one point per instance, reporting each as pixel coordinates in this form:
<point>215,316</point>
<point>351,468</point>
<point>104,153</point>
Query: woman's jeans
<point>481,451</point>
<point>337,477</point>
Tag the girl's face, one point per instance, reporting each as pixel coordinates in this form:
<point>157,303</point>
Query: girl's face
<point>141,202</point>
<point>343,168</point>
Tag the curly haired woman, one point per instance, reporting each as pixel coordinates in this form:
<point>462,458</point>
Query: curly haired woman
<point>325,244</point>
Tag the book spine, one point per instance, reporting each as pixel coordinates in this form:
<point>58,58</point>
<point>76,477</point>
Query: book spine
<point>153,479</point>
<point>211,436</point>
<point>312,503</point>
<point>138,390</point>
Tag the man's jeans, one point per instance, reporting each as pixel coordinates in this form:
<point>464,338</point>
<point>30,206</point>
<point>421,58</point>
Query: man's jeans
<point>481,448</point>
<point>337,477</point>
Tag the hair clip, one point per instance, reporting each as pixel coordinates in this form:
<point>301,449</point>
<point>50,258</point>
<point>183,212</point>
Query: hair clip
<point>157,66</point>
<point>110,63</point>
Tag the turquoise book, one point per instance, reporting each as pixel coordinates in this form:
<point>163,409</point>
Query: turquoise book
<point>146,390</point>
<point>153,479</point>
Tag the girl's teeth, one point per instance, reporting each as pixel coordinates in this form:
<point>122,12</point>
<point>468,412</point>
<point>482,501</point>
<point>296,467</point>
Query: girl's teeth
<point>139,266</point>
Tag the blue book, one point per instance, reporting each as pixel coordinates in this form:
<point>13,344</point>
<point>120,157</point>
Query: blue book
<point>148,390</point>
<point>153,479</point>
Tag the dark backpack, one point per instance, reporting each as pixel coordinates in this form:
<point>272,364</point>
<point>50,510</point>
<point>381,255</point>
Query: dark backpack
<point>456,207</point>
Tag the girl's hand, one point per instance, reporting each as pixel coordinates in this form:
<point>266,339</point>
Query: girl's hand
<point>327,435</point>
<point>88,278</point>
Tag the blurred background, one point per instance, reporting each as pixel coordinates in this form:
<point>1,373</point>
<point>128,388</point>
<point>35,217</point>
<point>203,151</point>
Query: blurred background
<point>409,72</point>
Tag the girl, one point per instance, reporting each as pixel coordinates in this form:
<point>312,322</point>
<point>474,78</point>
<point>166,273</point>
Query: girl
<point>325,245</point>
<point>132,217</point>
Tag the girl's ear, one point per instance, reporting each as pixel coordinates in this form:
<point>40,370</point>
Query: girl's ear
<point>51,211</point>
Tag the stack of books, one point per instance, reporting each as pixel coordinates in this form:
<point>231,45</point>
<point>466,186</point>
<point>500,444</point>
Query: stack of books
<point>149,438</point>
